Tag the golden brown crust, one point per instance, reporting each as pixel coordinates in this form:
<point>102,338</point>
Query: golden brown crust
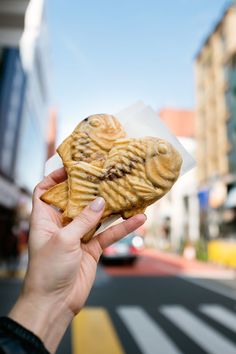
<point>57,195</point>
<point>92,139</point>
<point>137,172</point>
<point>90,142</point>
<point>129,174</point>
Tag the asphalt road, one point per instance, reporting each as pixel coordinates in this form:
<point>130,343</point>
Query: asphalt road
<point>154,315</point>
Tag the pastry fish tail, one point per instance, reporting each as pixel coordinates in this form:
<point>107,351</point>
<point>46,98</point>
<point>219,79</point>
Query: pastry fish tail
<point>83,182</point>
<point>57,195</point>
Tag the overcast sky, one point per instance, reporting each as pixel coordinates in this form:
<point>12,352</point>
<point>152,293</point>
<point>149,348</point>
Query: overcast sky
<point>107,54</point>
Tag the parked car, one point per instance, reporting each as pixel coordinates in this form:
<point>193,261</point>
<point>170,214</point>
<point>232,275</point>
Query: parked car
<point>124,251</point>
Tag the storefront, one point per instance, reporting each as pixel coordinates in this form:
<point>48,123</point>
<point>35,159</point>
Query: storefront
<point>9,196</point>
<point>12,92</point>
<point>222,248</point>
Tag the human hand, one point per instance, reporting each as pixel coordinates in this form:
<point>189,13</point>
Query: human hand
<point>61,269</point>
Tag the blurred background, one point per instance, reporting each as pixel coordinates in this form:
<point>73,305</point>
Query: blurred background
<point>61,61</point>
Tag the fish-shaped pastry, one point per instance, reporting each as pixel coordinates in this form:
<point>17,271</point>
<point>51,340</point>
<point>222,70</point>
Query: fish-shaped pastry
<point>90,142</point>
<point>136,173</point>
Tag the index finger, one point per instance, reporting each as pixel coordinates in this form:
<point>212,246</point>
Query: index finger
<point>49,181</point>
<point>115,233</point>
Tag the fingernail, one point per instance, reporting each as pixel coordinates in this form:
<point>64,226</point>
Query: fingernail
<point>97,204</point>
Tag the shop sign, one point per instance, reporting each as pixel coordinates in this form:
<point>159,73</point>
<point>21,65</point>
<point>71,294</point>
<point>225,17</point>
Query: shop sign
<point>203,197</point>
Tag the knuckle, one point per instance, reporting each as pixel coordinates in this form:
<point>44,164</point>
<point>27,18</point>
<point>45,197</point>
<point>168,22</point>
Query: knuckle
<point>85,219</point>
<point>126,228</point>
<point>112,232</point>
<point>99,249</point>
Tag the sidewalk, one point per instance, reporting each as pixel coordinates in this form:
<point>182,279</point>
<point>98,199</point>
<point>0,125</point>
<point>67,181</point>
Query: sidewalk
<point>16,269</point>
<point>191,268</point>
<point>154,263</point>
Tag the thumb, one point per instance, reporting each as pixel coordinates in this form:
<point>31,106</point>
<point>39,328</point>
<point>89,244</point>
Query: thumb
<point>86,220</point>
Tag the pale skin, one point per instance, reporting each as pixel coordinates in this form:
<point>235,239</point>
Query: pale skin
<point>61,269</point>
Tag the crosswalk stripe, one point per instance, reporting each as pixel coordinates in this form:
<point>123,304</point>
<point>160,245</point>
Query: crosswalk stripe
<point>209,339</point>
<point>220,314</point>
<point>148,335</point>
<point>93,333</point>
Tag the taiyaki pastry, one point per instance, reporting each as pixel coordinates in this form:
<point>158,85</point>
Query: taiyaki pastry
<point>135,174</point>
<point>90,142</point>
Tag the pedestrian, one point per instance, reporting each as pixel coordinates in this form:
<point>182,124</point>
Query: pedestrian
<point>60,274</point>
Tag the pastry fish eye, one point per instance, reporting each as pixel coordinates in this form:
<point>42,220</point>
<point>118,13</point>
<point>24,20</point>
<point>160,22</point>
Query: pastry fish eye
<point>162,148</point>
<point>95,122</point>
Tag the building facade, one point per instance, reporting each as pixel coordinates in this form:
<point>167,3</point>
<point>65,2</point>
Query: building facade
<point>33,131</point>
<point>24,101</point>
<point>12,93</point>
<point>214,66</point>
<point>215,82</point>
<point>176,216</point>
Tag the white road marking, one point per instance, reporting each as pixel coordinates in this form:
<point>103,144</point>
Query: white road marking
<point>148,335</point>
<point>209,339</point>
<point>221,315</point>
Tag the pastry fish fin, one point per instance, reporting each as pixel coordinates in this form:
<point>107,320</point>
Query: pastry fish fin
<point>124,156</point>
<point>83,182</point>
<point>64,149</point>
<point>115,154</point>
<point>121,143</point>
<point>57,195</point>
<point>142,188</point>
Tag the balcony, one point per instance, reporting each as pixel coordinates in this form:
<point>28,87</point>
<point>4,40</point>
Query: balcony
<point>12,18</point>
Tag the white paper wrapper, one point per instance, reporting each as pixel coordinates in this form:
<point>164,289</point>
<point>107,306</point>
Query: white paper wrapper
<point>138,121</point>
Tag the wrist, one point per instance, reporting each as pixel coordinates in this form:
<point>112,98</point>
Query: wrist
<point>46,319</point>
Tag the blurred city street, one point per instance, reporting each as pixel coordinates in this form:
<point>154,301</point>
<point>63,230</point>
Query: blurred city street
<point>165,70</point>
<point>160,304</point>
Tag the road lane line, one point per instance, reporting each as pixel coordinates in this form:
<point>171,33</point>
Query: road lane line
<point>4,274</point>
<point>220,314</point>
<point>148,335</point>
<point>209,339</point>
<point>93,333</point>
